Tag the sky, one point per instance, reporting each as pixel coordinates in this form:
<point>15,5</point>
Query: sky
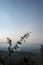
<point>18,17</point>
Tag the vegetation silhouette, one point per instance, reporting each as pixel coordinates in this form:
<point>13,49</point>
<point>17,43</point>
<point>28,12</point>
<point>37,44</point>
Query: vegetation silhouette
<point>26,61</point>
<point>16,45</point>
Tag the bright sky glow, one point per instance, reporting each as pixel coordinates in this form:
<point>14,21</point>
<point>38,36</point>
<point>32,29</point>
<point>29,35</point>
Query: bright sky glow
<point>21,16</point>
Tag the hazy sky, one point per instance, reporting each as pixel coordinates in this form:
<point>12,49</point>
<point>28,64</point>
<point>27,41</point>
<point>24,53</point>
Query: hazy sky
<point>21,16</point>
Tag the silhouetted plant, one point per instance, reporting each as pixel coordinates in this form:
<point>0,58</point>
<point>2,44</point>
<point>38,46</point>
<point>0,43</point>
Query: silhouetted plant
<point>26,61</point>
<point>16,45</point>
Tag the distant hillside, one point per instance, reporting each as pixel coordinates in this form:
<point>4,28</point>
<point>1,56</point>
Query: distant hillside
<point>16,56</point>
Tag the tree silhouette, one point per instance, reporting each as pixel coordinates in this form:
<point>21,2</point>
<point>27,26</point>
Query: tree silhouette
<point>16,45</point>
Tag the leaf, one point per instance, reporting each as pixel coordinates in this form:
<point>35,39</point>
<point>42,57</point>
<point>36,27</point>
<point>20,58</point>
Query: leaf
<point>22,37</point>
<point>15,47</point>
<point>9,41</point>
<point>19,42</point>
